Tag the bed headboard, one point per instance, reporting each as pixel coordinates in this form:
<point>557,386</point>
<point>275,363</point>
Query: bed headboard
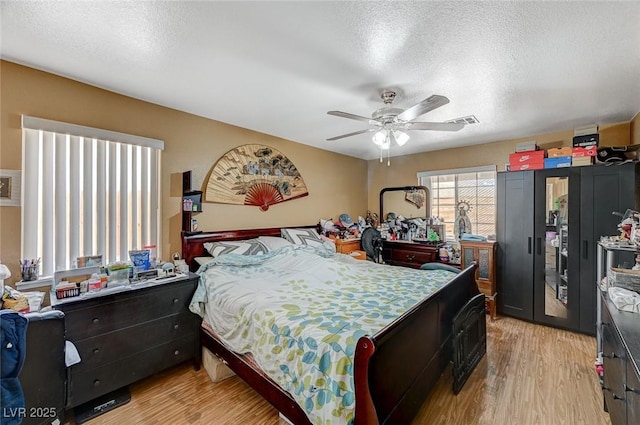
<point>193,244</point>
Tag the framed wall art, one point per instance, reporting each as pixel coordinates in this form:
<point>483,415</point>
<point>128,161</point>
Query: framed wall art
<point>10,188</point>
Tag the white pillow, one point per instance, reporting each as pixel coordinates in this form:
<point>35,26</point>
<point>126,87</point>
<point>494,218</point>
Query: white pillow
<point>245,247</point>
<point>273,242</point>
<point>302,236</point>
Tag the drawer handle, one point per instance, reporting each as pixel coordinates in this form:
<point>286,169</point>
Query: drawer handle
<point>632,390</point>
<point>616,397</point>
<point>96,383</point>
<point>175,301</point>
<point>95,320</point>
<point>410,257</point>
<point>96,350</point>
<point>175,353</point>
<point>176,326</point>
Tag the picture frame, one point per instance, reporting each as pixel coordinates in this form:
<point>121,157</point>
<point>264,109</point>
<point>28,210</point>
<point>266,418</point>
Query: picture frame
<point>10,188</point>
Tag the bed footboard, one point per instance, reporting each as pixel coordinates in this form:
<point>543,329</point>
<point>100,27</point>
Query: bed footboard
<point>397,368</point>
<point>469,340</point>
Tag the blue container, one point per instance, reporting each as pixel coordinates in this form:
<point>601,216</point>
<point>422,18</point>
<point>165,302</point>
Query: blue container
<point>558,162</point>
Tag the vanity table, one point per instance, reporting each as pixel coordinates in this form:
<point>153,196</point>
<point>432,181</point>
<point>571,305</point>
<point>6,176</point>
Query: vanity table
<point>408,253</point>
<point>409,202</point>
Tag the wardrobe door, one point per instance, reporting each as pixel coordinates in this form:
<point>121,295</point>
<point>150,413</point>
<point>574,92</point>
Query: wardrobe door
<point>603,190</point>
<point>515,244</point>
<point>556,263</point>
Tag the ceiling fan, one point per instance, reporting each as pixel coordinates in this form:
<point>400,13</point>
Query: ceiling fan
<point>391,124</point>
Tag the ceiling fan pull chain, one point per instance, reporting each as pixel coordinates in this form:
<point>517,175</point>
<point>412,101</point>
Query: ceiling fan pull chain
<point>380,154</point>
<point>388,156</point>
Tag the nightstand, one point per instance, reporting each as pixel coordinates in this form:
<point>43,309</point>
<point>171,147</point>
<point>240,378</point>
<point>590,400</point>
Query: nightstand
<point>484,254</point>
<point>347,246</point>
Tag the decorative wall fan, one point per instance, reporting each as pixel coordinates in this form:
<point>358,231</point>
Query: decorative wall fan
<point>254,175</point>
<point>391,124</point>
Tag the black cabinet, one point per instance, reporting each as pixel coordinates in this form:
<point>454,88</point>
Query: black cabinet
<point>515,244</point>
<point>602,191</point>
<point>548,224</point>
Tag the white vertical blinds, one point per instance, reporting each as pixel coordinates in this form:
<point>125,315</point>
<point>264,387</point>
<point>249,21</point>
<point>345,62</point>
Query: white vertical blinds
<point>86,192</point>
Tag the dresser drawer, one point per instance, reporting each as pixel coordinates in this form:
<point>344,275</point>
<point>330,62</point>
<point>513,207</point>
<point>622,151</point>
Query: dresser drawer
<point>105,348</point>
<point>411,258</point>
<point>89,384</point>
<point>486,287</point>
<point>109,313</point>
<point>632,395</point>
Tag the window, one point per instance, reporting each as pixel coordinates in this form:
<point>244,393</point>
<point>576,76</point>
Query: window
<point>474,188</point>
<point>86,192</point>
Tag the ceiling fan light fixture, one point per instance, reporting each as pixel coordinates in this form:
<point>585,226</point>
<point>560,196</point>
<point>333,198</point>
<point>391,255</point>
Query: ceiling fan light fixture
<point>401,137</point>
<point>380,137</point>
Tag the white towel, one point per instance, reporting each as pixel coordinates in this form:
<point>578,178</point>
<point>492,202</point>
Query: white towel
<point>71,355</point>
<point>624,299</point>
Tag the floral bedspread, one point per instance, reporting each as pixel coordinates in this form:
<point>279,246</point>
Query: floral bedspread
<point>300,310</point>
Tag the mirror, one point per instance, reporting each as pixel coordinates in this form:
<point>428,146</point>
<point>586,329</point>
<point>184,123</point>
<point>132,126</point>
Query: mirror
<point>556,247</point>
<point>407,201</point>
<point>410,202</point>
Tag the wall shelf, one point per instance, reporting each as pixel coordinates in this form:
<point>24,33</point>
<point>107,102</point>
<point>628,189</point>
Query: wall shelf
<point>191,205</point>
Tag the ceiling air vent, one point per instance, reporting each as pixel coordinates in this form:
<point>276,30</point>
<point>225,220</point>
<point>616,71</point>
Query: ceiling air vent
<point>471,119</point>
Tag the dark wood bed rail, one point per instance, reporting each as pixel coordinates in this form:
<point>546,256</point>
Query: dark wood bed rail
<point>394,370</point>
<point>407,357</point>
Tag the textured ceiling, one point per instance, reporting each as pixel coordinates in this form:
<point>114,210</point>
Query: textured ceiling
<point>278,67</point>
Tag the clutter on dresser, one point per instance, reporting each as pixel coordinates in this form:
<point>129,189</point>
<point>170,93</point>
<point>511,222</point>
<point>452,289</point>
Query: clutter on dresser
<point>118,273</point>
<point>4,274</point>
<point>629,228</point>
<point>342,228</point>
<point>30,269</point>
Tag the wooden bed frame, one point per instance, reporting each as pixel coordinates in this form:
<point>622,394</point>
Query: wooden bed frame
<point>394,370</point>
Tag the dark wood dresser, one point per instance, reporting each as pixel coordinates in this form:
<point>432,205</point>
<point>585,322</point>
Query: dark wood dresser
<point>408,254</point>
<point>126,336</point>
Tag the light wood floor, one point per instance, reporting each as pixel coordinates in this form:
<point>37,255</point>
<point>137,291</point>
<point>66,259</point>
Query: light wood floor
<point>531,375</point>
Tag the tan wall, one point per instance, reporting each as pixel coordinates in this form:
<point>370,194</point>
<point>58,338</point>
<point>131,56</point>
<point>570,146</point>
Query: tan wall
<point>336,183</point>
<point>404,169</point>
<point>635,130</point>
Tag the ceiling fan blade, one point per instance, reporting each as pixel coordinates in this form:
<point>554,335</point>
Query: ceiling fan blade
<point>439,126</point>
<point>351,134</point>
<point>429,104</point>
<point>350,116</point>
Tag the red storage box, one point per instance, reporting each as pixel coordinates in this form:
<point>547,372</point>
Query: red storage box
<point>526,166</point>
<point>580,152</point>
<point>530,160</point>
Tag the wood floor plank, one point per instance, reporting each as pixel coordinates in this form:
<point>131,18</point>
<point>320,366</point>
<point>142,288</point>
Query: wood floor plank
<point>531,375</point>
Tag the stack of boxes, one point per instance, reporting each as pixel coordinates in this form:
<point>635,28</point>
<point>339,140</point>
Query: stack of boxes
<point>528,155</point>
<point>585,145</point>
